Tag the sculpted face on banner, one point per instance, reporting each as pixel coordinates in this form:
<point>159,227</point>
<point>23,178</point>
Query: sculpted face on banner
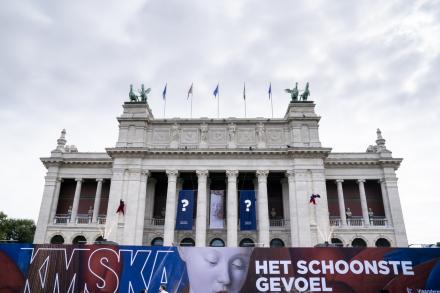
<point>212,270</point>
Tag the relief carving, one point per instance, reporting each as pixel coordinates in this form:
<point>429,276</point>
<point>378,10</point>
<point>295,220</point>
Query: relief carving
<point>260,132</point>
<point>246,136</point>
<point>217,136</point>
<point>160,136</point>
<point>189,136</point>
<point>231,134</point>
<point>275,136</point>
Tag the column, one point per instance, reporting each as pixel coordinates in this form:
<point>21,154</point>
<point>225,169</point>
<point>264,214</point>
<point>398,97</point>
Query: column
<point>75,203</point>
<point>285,197</point>
<point>263,209</point>
<point>341,202</point>
<point>386,203</point>
<point>151,188</point>
<point>46,204</point>
<point>56,197</point>
<point>170,209</point>
<point>113,232</point>
<point>363,202</point>
<point>302,203</point>
<point>321,208</point>
<point>201,208</point>
<point>140,215</point>
<point>395,207</point>
<point>232,217</point>
<point>97,202</point>
<point>294,235</point>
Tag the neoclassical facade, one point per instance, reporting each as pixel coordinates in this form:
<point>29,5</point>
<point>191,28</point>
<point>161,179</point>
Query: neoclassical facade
<point>281,159</point>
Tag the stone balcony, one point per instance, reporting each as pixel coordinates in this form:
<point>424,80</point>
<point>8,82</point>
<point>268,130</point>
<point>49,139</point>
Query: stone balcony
<point>358,222</point>
<point>81,219</point>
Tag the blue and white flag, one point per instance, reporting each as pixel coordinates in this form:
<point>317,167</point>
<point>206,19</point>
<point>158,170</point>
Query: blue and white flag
<point>269,92</point>
<point>184,217</point>
<point>244,91</point>
<point>190,91</point>
<point>164,93</point>
<point>215,93</point>
<point>248,219</point>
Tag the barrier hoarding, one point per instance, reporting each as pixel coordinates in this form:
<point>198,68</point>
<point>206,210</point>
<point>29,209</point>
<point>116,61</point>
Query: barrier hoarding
<point>110,268</point>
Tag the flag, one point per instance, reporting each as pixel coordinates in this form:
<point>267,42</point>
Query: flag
<point>121,208</point>
<point>190,91</point>
<point>313,197</point>
<point>244,91</point>
<point>270,91</point>
<point>215,93</point>
<point>164,93</point>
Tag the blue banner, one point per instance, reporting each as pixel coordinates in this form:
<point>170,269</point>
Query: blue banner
<point>184,218</point>
<point>248,219</point>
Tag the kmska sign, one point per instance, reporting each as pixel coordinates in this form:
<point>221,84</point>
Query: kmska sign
<point>108,268</point>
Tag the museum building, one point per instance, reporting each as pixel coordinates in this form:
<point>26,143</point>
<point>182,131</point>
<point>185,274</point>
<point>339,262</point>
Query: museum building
<point>305,194</point>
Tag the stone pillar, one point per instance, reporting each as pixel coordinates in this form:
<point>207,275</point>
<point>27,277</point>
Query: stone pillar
<point>113,231</point>
<point>232,217</point>
<point>56,197</point>
<point>140,211</point>
<point>76,200</point>
<point>263,209</point>
<point>97,202</point>
<point>363,202</point>
<point>170,209</point>
<point>395,207</point>
<point>151,188</point>
<point>386,203</point>
<point>49,194</point>
<point>294,235</point>
<point>285,197</point>
<point>201,208</point>
<point>321,207</point>
<point>302,203</point>
<point>341,202</point>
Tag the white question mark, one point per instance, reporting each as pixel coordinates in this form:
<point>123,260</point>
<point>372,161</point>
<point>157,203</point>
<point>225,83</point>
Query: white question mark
<point>248,203</point>
<point>185,203</point>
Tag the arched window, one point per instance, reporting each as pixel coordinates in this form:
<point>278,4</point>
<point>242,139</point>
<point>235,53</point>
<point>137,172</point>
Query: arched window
<point>80,239</point>
<point>57,239</point>
<point>276,242</point>
<point>382,242</point>
<point>217,242</point>
<point>337,242</point>
<point>187,242</point>
<point>246,242</point>
<point>158,241</point>
<point>99,240</point>
<point>358,242</point>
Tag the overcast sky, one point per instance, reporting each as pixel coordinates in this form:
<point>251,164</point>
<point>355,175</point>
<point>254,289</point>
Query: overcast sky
<point>68,64</point>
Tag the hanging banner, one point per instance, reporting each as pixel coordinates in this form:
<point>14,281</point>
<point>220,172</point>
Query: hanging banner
<point>217,210</point>
<point>248,213</point>
<point>184,217</point>
<point>113,268</point>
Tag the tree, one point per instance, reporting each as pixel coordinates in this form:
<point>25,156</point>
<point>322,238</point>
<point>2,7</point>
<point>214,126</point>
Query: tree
<point>20,230</point>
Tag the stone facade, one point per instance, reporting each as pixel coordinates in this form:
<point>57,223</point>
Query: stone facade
<point>281,159</point>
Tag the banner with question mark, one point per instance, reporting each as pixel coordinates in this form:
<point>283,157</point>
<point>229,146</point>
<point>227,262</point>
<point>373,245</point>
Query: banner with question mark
<point>184,217</point>
<point>248,217</point>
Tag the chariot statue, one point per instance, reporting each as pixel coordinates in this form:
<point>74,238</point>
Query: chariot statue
<point>132,96</point>
<point>306,93</point>
<point>293,93</point>
<point>143,93</point>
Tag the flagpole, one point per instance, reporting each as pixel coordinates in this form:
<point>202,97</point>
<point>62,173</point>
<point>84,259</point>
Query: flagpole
<point>164,105</point>
<point>218,105</point>
<point>271,104</point>
<point>191,106</point>
<point>244,108</point>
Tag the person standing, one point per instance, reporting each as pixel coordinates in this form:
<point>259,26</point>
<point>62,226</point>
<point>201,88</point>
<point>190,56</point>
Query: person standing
<point>162,289</point>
